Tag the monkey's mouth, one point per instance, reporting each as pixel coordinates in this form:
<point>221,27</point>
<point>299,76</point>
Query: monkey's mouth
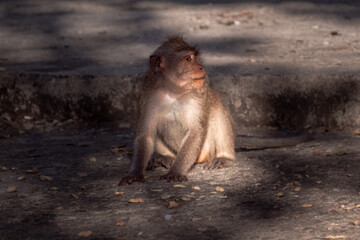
<point>201,78</point>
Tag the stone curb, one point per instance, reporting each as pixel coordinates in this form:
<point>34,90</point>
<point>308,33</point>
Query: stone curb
<point>273,101</point>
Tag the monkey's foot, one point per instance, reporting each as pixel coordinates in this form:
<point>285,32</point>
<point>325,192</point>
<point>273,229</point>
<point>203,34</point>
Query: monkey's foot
<point>132,177</point>
<point>174,177</point>
<point>218,163</point>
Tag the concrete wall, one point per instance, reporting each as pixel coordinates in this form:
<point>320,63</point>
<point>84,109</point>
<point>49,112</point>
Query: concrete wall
<point>280,101</point>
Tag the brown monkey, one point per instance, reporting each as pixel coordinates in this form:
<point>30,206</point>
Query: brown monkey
<point>181,119</point>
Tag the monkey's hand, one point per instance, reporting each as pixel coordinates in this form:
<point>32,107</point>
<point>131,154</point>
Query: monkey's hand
<point>171,177</point>
<point>132,177</point>
<point>218,163</point>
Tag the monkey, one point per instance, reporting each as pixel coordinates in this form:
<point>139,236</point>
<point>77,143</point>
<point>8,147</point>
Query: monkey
<point>181,119</point>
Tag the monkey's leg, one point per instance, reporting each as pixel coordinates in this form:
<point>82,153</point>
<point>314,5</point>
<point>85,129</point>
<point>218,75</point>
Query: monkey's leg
<point>220,137</point>
<point>144,147</point>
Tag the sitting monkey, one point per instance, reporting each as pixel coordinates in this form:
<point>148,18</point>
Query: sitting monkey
<point>181,119</point>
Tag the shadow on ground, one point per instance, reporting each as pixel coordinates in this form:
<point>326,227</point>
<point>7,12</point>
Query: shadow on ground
<point>321,173</point>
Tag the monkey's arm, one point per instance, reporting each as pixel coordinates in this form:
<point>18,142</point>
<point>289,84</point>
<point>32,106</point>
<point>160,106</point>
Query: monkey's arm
<point>143,149</point>
<point>186,157</point>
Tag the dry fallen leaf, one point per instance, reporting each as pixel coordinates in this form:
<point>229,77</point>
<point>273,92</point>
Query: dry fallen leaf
<point>280,194</point>
<point>340,153</point>
<point>356,223</point>
<point>85,234</point>
<point>222,197</point>
<point>297,189</point>
<point>117,149</point>
<point>319,152</point>
<point>22,178</point>
<point>296,183</point>
<point>118,193</point>
<point>166,196</point>
<point>336,237</point>
<point>179,186</point>
<point>74,203</point>
<point>54,188</point>
<point>45,178</point>
<point>299,176</point>
<point>339,48</point>
<point>213,192</point>
<point>172,204</point>
<point>74,195</point>
<point>200,197</point>
<point>82,175</point>
<point>59,208</point>
<point>136,200</point>
<point>202,229</point>
<point>33,170</point>
<point>2,69</point>
<point>245,12</point>
<point>120,223</point>
<point>357,205</point>
<point>195,219</point>
<point>156,189</point>
<point>219,189</point>
<point>185,198</point>
<point>197,188</point>
<point>11,189</point>
<point>306,205</point>
<point>357,132</point>
<point>6,136</point>
<point>92,159</point>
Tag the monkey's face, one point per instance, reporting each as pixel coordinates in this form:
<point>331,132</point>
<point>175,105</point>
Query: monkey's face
<point>185,70</point>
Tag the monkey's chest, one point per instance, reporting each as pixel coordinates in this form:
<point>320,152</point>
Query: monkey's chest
<point>173,128</point>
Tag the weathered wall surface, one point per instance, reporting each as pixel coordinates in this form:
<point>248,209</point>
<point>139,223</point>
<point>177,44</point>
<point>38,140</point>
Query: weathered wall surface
<point>89,98</point>
<point>291,102</point>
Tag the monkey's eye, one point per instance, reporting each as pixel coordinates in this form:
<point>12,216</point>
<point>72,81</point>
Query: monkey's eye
<point>189,58</point>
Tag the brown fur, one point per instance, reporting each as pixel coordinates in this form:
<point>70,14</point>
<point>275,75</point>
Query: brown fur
<point>180,118</point>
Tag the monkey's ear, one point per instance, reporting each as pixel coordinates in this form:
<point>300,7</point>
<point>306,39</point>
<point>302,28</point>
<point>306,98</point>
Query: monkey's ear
<point>156,63</point>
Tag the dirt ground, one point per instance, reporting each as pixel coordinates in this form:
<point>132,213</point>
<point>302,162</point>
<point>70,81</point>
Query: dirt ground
<point>59,180</point>
<point>63,185</point>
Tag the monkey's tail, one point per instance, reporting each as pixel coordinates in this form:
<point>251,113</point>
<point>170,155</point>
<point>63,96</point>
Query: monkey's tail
<point>260,139</point>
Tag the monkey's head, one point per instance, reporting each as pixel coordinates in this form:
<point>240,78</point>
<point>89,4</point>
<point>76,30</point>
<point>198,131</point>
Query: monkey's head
<point>178,62</point>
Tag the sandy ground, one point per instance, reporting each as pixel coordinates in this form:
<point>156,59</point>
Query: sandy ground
<point>63,184</point>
